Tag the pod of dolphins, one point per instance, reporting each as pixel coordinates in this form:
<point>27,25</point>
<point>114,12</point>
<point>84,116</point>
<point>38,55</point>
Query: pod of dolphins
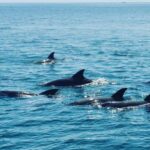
<point>78,79</point>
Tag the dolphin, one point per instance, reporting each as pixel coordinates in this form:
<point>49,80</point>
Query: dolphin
<point>24,94</point>
<point>127,104</point>
<point>117,96</point>
<point>50,59</point>
<point>77,79</point>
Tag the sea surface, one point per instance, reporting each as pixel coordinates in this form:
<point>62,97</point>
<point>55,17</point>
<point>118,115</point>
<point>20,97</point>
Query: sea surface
<point>110,41</point>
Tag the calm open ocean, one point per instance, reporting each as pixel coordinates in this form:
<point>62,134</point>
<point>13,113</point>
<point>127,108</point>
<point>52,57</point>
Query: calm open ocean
<point>110,41</point>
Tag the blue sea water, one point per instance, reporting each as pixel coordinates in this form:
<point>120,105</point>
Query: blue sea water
<point>111,41</point>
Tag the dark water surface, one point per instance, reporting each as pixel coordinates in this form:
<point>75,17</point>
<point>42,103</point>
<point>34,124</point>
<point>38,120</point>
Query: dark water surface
<point>111,41</point>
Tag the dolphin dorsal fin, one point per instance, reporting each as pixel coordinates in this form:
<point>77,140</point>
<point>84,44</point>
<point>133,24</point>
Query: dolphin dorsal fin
<point>49,92</point>
<point>118,96</point>
<point>51,55</point>
<point>147,99</point>
<point>79,75</point>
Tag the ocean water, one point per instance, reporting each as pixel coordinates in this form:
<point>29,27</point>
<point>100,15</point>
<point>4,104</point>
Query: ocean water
<point>110,41</point>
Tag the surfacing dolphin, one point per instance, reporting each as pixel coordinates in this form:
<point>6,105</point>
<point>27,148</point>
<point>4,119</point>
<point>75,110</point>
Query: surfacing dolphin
<point>118,96</point>
<point>127,104</point>
<point>50,59</point>
<point>77,79</point>
<point>25,94</point>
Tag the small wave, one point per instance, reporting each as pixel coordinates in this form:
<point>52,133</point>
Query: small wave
<point>116,110</point>
<point>102,81</point>
<point>5,28</point>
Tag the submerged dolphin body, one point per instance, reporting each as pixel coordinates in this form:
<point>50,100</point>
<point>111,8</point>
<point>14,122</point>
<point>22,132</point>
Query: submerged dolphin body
<point>118,96</point>
<point>127,104</point>
<point>24,94</point>
<point>77,79</point>
<point>49,59</point>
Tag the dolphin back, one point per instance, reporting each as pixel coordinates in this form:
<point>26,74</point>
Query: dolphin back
<point>76,79</point>
<point>60,82</point>
<point>15,94</point>
<point>49,92</point>
<point>82,102</point>
<point>123,104</point>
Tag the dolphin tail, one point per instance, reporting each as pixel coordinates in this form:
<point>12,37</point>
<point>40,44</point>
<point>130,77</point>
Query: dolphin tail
<point>51,55</point>
<point>118,96</point>
<point>49,92</point>
<point>79,75</point>
<point>147,99</point>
